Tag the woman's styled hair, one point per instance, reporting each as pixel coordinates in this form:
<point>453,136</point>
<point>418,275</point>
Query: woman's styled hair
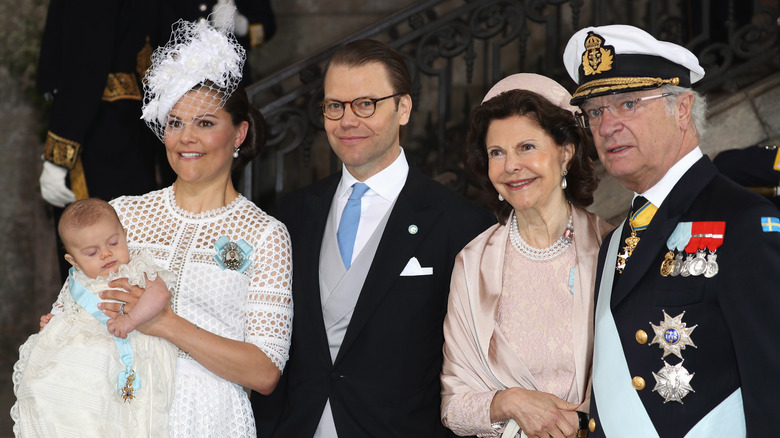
<point>241,110</point>
<point>557,122</point>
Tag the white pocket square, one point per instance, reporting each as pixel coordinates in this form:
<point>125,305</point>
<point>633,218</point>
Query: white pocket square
<point>414,269</point>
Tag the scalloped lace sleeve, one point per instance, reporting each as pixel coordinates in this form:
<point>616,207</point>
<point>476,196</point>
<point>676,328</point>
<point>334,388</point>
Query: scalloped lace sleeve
<point>268,308</point>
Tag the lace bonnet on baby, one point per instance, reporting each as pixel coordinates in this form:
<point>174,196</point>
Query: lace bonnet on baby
<point>197,56</point>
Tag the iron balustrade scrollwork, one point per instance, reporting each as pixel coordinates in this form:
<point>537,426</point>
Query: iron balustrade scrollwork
<point>456,50</point>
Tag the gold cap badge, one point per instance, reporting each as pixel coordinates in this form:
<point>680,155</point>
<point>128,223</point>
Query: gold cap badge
<point>596,58</point>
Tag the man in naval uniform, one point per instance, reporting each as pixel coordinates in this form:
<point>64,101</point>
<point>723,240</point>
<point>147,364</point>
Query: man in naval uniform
<point>367,334</point>
<point>687,288</point>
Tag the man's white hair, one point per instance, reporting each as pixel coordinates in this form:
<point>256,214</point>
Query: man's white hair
<point>698,109</point>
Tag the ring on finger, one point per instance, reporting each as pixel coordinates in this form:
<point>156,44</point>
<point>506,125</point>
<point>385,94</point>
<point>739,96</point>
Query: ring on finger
<point>122,309</point>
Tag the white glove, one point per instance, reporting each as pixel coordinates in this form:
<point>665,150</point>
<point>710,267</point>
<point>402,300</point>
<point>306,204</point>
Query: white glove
<point>225,16</point>
<point>53,188</point>
<point>241,25</point>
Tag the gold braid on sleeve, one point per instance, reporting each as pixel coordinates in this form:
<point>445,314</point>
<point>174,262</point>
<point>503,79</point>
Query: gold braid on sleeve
<point>61,151</point>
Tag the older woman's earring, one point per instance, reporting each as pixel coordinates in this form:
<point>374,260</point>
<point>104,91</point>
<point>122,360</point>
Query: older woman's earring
<point>235,152</point>
<point>564,184</point>
<point>500,198</point>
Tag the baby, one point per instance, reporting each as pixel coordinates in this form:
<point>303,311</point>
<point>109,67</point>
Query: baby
<point>74,378</point>
<point>96,245</point>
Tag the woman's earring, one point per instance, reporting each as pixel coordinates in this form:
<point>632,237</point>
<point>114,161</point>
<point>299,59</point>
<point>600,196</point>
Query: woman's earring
<point>235,152</point>
<point>564,184</point>
<point>500,198</point>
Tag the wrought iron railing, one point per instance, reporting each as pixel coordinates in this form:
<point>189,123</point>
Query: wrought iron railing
<point>457,49</point>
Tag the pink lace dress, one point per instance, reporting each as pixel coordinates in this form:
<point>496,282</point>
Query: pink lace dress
<point>533,295</point>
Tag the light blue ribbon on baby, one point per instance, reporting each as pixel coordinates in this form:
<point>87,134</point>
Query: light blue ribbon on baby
<point>680,236</point>
<point>89,302</point>
<point>245,248</point>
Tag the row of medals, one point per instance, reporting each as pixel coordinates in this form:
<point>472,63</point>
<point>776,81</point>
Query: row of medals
<point>674,265</point>
<point>673,382</point>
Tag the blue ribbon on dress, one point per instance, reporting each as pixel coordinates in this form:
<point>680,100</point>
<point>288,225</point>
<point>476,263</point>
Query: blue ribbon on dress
<point>127,382</point>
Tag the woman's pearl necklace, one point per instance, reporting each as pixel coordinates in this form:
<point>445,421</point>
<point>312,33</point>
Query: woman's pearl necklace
<point>540,255</point>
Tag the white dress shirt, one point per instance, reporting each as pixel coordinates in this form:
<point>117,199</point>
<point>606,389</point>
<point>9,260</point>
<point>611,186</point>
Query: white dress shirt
<point>658,193</point>
<point>384,188</point>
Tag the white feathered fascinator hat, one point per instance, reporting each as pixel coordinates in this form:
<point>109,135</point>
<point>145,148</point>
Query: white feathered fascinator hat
<point>197,57</point>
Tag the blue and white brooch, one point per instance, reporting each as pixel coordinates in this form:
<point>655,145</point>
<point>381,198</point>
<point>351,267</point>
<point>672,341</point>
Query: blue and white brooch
<point>232,255</point>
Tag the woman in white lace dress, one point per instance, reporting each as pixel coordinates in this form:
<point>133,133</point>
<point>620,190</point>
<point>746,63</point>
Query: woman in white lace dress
<point>231,314</point>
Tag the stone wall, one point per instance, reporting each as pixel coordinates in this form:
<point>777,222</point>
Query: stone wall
<point>27,257</point>
<point>28,264</point>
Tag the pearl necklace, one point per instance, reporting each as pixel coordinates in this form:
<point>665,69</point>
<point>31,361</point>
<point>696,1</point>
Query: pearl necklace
<point>541,255</point>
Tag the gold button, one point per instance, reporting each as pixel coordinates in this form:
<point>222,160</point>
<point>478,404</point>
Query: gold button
<point>592,425</point>
<point>641,336</point>
<point>638,382</point>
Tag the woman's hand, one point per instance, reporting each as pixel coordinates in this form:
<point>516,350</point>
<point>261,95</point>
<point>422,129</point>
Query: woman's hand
<point>130,298</point>
<point>539,414</point>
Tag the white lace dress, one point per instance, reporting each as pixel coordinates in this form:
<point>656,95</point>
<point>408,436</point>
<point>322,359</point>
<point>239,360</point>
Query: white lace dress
<point>251,304</point>
<point>66,379</point>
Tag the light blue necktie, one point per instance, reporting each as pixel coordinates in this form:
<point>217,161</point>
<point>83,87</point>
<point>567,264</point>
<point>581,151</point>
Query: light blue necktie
<point>350,218</point>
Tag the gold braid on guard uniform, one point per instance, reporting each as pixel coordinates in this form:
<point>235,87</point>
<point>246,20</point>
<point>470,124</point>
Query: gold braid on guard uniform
<point>67,153</point>
<point>61,151</point>
<point>121,86</point>
<point>617,84</point>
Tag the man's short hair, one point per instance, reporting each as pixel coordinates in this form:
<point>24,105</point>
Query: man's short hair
<point>361,52</point>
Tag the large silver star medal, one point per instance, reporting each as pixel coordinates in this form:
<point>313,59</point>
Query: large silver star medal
<point>673,382</point>
<point>672,335</point>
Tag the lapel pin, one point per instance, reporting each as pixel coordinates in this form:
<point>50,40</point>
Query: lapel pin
<point>413,229</point>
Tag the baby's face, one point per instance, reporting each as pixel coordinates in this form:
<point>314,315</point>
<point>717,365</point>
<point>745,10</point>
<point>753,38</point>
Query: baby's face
<point>98,249</point>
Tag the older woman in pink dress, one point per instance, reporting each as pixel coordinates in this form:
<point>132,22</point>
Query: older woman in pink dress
<point>518,332</point>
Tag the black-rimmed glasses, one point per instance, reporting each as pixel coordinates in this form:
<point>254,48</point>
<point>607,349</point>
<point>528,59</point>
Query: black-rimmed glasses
<point>362,107</point>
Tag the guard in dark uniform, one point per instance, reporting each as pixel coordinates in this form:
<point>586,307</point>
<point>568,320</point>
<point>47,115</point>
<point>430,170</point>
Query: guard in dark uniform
<point>687,287</point>
<point>93,55</point>
<point>756,167</point>
<point>92,58</point>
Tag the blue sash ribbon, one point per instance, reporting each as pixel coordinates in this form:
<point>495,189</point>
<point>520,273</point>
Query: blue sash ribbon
<point>89,302</point>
